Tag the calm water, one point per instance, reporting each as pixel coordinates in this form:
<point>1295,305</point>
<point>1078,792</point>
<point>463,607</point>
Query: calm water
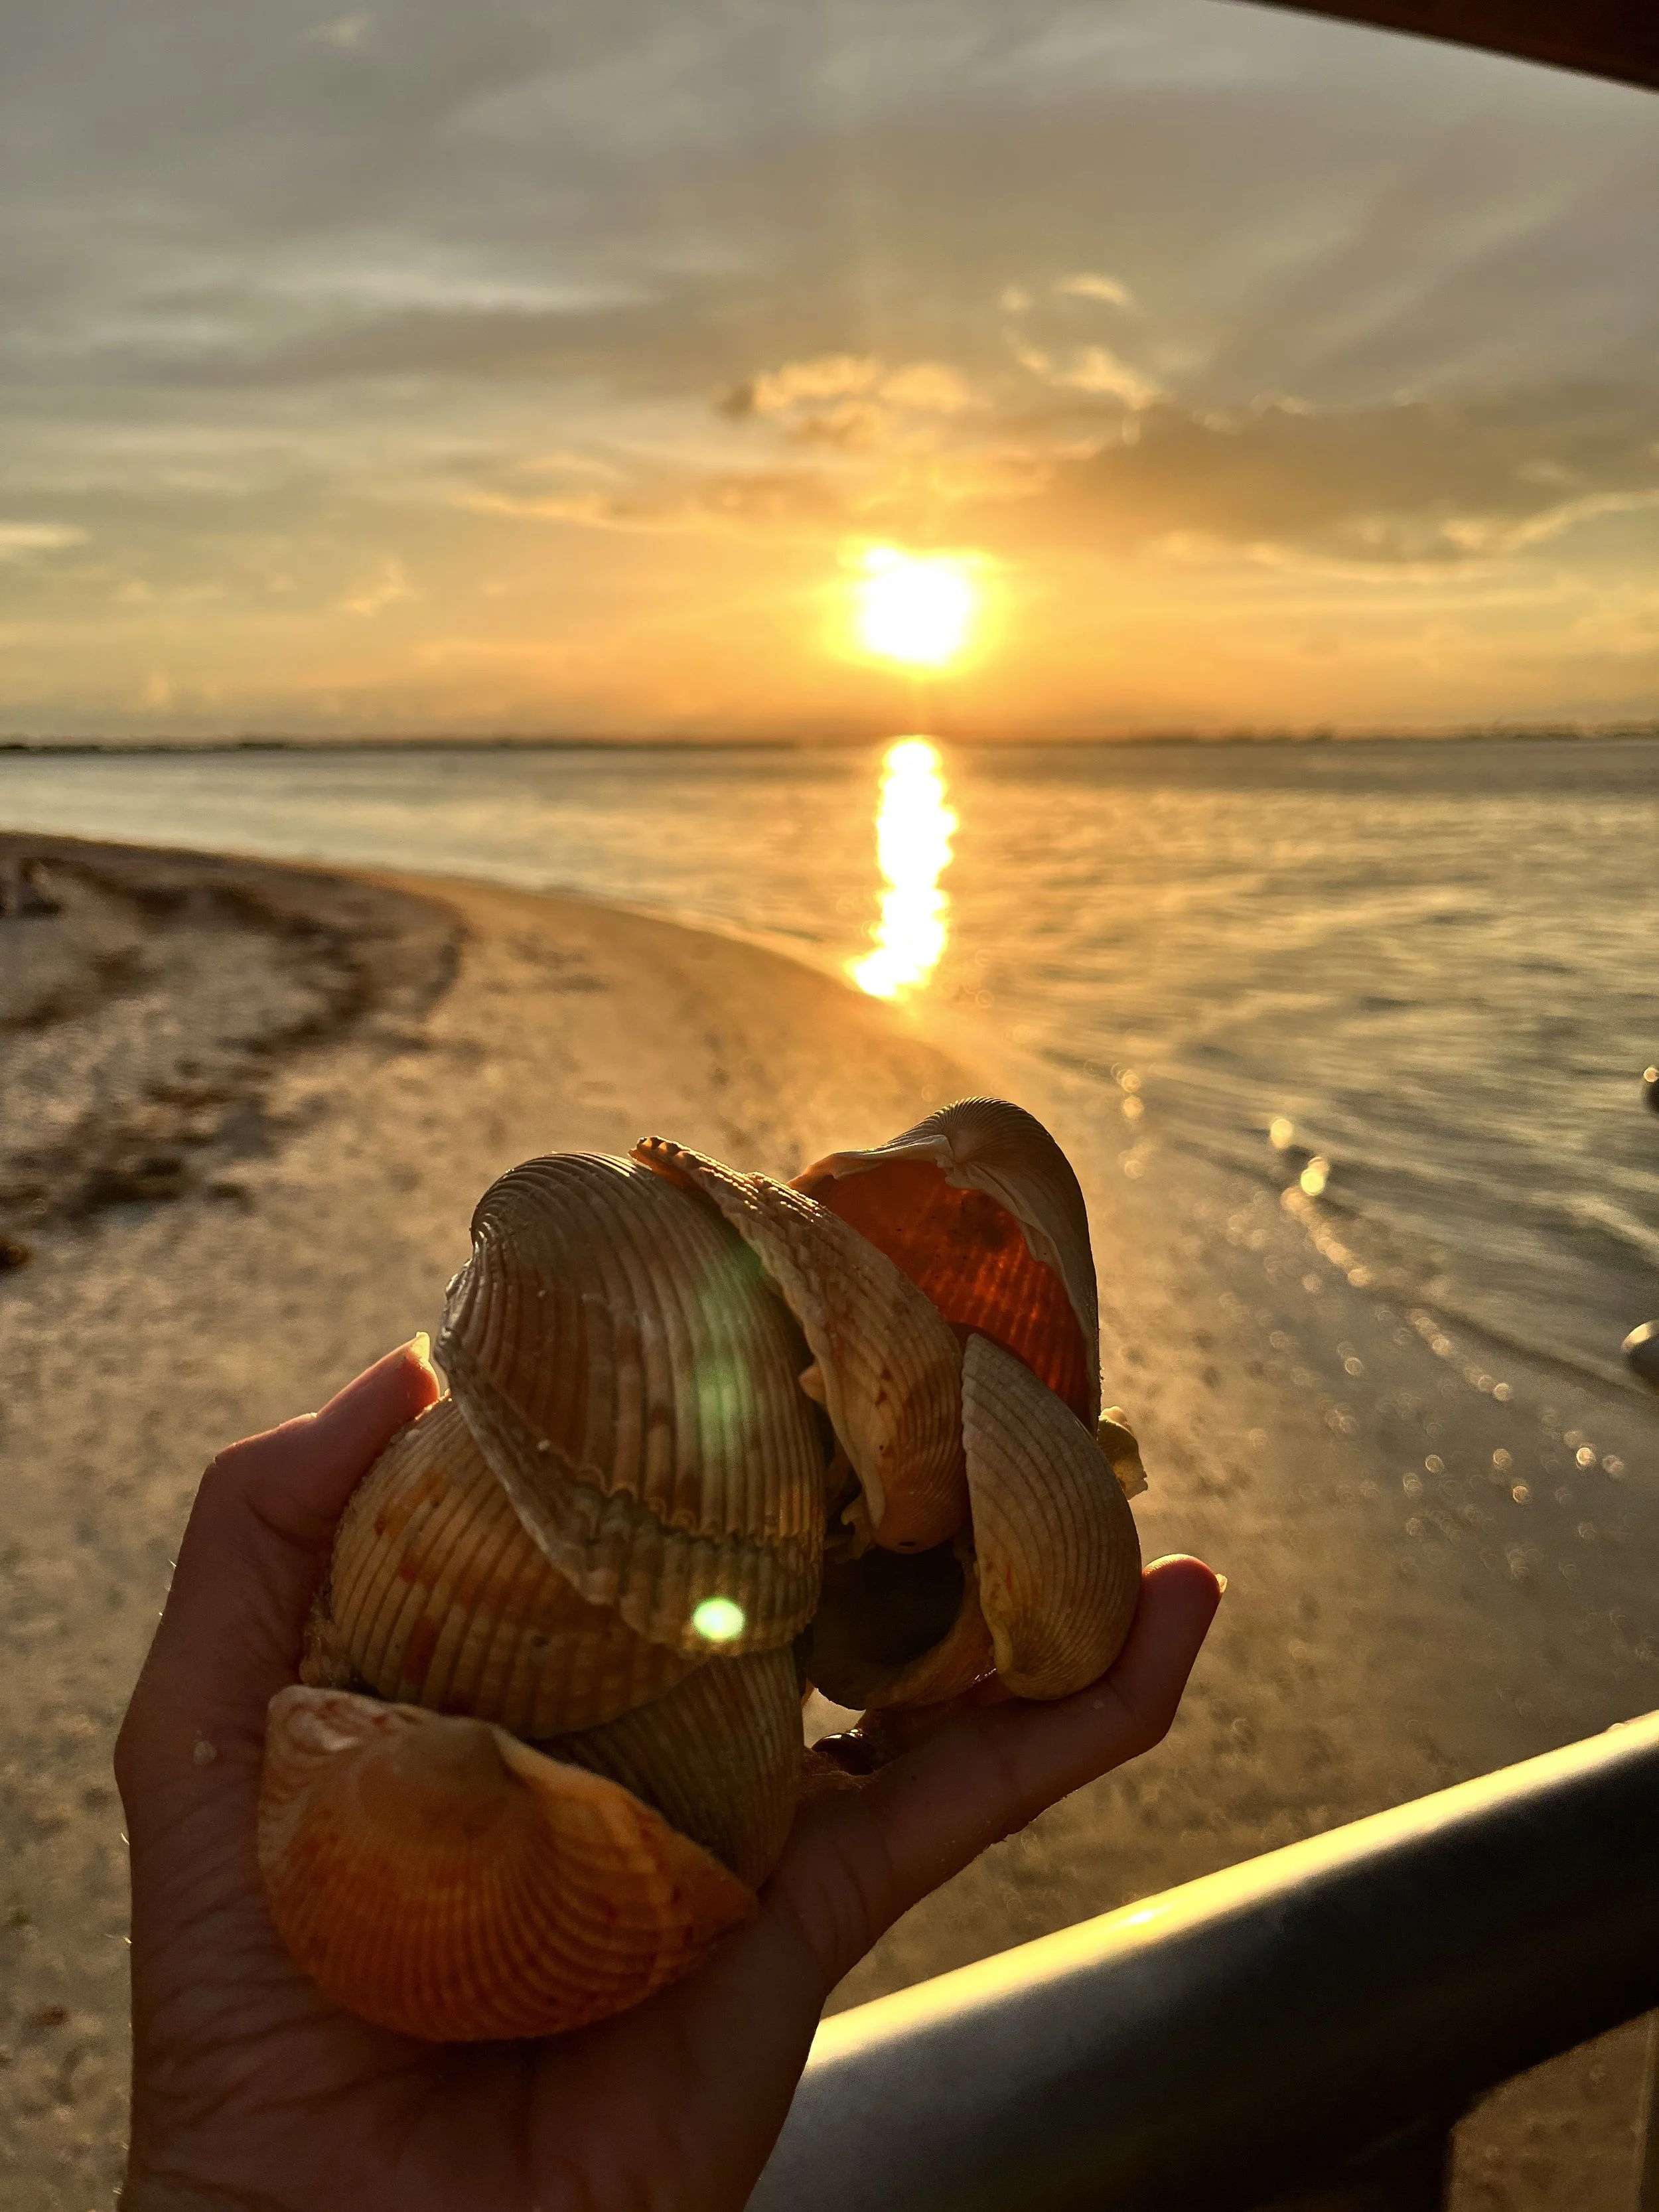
<point>1428,971</point>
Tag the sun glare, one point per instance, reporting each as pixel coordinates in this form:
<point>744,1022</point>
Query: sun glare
<point>914,827</point>
<point>913,608</point>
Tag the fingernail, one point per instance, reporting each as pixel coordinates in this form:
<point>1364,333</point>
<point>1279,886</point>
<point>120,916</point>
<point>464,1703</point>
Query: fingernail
<point>420,1346</point>
<point>1221,1585</point>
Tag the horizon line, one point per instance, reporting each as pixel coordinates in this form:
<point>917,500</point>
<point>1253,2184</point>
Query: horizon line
<point>1559,731</point>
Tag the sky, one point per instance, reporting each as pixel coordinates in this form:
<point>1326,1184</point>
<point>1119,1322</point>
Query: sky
<point>554,366</point>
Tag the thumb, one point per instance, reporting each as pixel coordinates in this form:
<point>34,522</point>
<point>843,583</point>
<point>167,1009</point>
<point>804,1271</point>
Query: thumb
<point>253,1552</point>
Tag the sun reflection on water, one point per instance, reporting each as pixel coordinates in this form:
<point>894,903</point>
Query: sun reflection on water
<point>914,827</point>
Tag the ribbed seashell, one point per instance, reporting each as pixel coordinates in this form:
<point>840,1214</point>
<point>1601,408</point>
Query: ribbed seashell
<point>898,1628</point>
<point>885,1366</point>
<point>492,1892</point>
<point>980,1208</point>
<point>438,1596</point>
<point>719,1757</point>
<point>1058,1554</point>
<point>614,1349</point>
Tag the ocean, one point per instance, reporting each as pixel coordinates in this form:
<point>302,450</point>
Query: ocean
<point>1416,980</point>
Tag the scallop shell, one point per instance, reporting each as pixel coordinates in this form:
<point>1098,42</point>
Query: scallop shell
<point>979,1208</point>
<point>577,1767</point>
<point>885,1365</point>
<point>438,1596</point>
<point>1058,1554</point>
<point>494,1893</point>
<point>719,1757</point>
<point>614,1349</point>
<point>897,1628</point>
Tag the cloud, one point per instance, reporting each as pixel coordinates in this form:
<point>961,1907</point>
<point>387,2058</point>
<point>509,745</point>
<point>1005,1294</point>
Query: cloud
<point>768,502</point>
<point>1094,369</point>
<point>389,586</point>
<point>831,376</point>
<point>930,387</point>
<point>851,401</point>
<point>19,541</point>
<point>1107,462</point>
<point>1087,286</point>
<point>348,33</point>
<point>1441,481</point>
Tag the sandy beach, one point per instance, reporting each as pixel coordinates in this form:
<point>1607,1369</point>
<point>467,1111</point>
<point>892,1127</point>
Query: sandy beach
<point>247,1110</point>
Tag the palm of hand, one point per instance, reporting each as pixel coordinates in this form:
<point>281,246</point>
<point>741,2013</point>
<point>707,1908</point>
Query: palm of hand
<point>250,2090</point>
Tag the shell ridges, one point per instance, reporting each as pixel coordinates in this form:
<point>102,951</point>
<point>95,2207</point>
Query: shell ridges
<point>888,1366</point>
<point>630,1378</point>
<point>979,1206</point>
<point>494,1893</point>
<point>1058,1554</point>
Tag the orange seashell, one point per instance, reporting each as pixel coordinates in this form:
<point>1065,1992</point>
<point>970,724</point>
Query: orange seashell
<point>437,1877</point>
<point>438,1596</point>
<point>885,1367</point>
<point>614,1349</point>
<point>979,1206</point>
<point>897,1628</point>
<point>719,1757</point>
<point>1057,1551</point>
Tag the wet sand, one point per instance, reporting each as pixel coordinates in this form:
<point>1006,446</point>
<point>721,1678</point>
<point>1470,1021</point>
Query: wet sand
<point>253,1106</point>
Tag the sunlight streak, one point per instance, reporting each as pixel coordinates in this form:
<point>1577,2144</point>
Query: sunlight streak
<point>914,827</point>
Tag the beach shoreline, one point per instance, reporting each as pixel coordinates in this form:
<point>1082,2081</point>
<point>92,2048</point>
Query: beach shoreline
<point>252,1140</point>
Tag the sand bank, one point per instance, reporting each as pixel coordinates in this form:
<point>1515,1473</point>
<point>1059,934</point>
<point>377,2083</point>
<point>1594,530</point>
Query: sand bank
<point>255,1106</point>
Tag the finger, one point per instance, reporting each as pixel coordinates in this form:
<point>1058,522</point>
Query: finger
<point>296,1478</point>
<point>863,1858</point>
<point>253,1552</point>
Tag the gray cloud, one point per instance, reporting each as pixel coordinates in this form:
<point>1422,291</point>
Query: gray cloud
<point>1425,479</point>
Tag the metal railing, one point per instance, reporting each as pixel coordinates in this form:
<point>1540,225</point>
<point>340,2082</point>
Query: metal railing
<point>1312,2021</point>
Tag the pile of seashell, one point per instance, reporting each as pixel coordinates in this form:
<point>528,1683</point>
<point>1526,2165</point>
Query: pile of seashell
<point>711,1440</point>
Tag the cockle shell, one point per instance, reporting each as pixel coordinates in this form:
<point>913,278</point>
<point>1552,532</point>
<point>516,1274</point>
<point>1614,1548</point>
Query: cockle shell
<point>719,1758</point>
<point>897,1628</point>
<point>1042,1588</point>
<point>979,1206</point>
<point>1058,1554</point>
<point>613,1348</point>
<point>439,1595</point>
<point>436,1876</point>
<point>583,1588</point>
<point>885,1366</point>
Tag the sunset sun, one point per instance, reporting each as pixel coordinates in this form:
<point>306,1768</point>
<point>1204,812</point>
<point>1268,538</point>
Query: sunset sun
<point>916,609</point>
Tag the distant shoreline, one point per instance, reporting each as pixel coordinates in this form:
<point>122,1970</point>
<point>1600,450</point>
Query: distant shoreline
<point>1613,733</point>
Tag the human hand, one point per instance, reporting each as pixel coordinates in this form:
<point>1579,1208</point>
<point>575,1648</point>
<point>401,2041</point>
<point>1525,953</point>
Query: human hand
<point>252,2093</point>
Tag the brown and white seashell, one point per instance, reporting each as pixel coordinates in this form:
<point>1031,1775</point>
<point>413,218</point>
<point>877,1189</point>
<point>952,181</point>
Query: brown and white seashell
<point>885,1366</point>
<point>896,1628</point>
<point>1055,1543</point>
<point>580,1588</point>
<point>436,1876</point>
<point>438,1596</point>
<point>719,1757</point>
<point>615,1350</point>
<point>979,1206</point>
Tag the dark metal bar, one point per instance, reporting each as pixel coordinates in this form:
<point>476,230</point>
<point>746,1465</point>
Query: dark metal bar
<point>1617,39</point>
<point>1247,2032</point>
